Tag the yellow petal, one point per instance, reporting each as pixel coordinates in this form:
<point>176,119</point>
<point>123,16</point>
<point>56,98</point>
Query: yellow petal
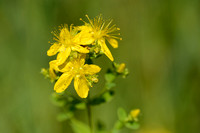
<point>53,49</point>
<point>67,67</point>
<point>84,38</point>
<point>72,64</point>
<point>81,59</point>
<point>134,114</point>
<point>81,86</point>
<point>53,66</point>
<point>63,55</point>
<point>105,49</point>
<point>85,28</point>
<point>63,82</point>
<point>113,42</point>
<point>91,69</point>
<point>80,49</point>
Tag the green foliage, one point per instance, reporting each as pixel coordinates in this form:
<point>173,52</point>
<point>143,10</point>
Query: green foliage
<point>63,116</point>
<point>118,125</point>
<point>80,105</point>
<point>124,121</point>
<point>132,125</point>
<point>110,77</point>
<point>122,115</point>
<point>106,96</point>
<point>70,104</point>
<point>79,127</point>
<point>58,99</point>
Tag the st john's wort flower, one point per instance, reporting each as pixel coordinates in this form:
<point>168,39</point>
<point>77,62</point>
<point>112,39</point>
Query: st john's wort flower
<point>76,69</point>
<point>99,30</point>
<point>66,41</point>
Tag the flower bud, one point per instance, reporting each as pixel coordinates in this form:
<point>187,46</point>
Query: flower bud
<point>134,114</point>
<point>44,72</point>
<point>121,68</point>
<point>94,79</point>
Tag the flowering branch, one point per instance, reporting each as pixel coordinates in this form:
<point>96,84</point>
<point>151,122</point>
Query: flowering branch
<point>76,48</point>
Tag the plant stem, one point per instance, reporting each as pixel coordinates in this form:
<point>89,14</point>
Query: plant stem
<point>89,115</point>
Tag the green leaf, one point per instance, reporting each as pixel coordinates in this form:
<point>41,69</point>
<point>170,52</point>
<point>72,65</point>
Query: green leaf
<point>110,77</point>
<point>132,125</point>
<point>110,85</point>
<point>58,100</point>
<point>105,97</point>
<point>118,125</point>
<point>64,116</point>
<point>122,115</point>
<point>80,105</point>
<point>79,127</point>
<point>125,73</point>
<point>108,96</point>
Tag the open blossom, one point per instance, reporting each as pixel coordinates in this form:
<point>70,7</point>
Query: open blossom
<point>68,40</point>
<point>77,70</point>
<point>100,30</point>
<point>72,44</point>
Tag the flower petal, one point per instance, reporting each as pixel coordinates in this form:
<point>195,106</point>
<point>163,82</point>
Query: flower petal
<point>81,59</point>
<point>91,69</point>
<point>66,67</point>
<point>63,82</point>
<point>53,66</point>
<point>81,86</point>
<point>53,49</point>
<point>113,42</point>
<point>105,49</point>
<point>85,28</point>
<point>84,38</point>
<point>80,49</point>
<point>63,55</point>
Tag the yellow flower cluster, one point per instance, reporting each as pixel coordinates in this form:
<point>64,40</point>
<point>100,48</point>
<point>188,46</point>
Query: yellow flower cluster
<point>74,45</point>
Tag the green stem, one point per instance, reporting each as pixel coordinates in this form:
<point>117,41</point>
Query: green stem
<point>89,115</point>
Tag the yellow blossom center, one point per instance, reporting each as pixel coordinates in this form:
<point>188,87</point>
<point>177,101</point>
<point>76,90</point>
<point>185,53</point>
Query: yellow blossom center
<point>77,70</point>
<point>97,34</point>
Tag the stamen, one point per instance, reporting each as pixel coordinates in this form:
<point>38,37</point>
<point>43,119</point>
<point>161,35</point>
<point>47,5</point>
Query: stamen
<point>53,32</point>
<point>102,26</point>
<point>109,23</point>
<point>71,26</point>
<point>56,39</point>
<point>83,21</point>
<point>89,20</point>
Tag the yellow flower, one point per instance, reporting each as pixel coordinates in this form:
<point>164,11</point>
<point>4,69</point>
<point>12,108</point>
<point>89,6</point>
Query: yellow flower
<point>134,114</point>
<point>78,70</point>
<point>67,40</point>
<point>100,30</point>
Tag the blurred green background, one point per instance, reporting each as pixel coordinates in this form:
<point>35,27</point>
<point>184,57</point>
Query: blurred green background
<point>161,47</point>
